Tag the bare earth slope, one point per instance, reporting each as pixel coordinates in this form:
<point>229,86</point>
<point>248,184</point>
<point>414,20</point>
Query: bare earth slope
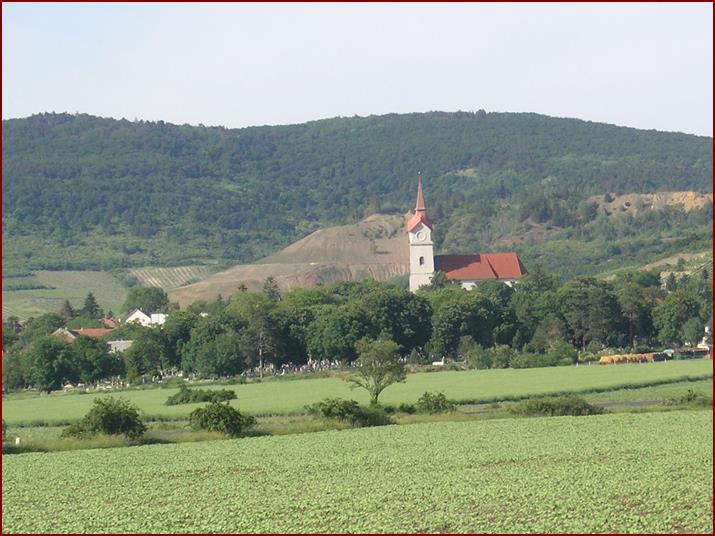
<point>376,247</point>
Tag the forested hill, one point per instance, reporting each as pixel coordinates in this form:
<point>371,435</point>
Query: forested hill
<point>82,191</point>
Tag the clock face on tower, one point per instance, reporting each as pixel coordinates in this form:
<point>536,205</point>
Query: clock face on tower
<point>420,236</point>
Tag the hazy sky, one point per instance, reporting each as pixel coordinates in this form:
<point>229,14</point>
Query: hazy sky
<point>642,65</point>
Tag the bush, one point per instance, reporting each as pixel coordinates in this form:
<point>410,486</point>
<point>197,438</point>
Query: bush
<point>691,398</point>
<point>220,417</point>
<point>434,403</point>
<point>193,396</point>
<point>552,406</point>
<point>111,416</point>
<point>4,429</point>
<point>350,411</point>
<point>401,408</point>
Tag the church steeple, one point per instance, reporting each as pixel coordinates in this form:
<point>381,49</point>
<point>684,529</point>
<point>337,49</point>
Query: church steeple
<point>420,215</point>
<point>420,207</point>
<point>419,234</point>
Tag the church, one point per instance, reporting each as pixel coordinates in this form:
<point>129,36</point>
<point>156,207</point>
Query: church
<point>468,270</point>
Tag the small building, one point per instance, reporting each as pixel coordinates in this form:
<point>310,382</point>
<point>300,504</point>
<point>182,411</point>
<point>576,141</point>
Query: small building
<point>70,335</point>
<point>139,317</point>
<point>151,320</point>
<point>116,347</point>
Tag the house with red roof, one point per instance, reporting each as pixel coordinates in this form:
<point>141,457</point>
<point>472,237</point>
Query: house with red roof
<point>468,270</point>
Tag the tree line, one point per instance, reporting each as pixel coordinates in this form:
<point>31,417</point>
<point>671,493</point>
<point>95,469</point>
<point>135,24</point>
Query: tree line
<point>542,321</point>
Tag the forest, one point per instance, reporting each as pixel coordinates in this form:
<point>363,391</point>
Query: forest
<point>83,192</point>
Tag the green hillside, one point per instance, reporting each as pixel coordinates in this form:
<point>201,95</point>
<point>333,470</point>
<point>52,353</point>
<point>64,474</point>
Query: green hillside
<point>82,192</point>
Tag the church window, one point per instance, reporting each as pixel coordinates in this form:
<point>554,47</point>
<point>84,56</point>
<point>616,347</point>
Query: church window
<point>422,261</point>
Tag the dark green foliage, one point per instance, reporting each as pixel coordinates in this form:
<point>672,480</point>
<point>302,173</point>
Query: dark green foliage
<point>193,396</point>
<point>111,416</point>
<point>148,299</point>
<point>220,417</point>
<point>156,193</point>
<point>552,406</point>
<point>4,429</point>
<point>433,403</point>
<point>91,308</point>
<point>350,412</point>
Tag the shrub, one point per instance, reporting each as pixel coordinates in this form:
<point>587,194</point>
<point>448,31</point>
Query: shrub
<point>350,411</point>
<point>434,403</point>
<point>553,406</point>
<point>192,396</point>
<point>111,416</point>
<point>4,429</point>
<point>220,417</point>
<point>691,398</point>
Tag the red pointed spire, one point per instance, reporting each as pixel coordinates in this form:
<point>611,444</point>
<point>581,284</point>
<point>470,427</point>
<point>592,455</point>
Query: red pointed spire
<point>420,215</point>
<point>420,207</point>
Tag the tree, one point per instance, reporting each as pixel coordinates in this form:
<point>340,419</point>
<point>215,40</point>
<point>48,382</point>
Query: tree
<point>67,312</point>
<point>260,339</point>
<point>693,331</point>
<point>147,354</point>
<point>378,366</point>
<point>148,299</point>
<point>94,361</point>
<point>91,308</point>
<point>469,313</point>
<point>53,363</point>
<point>680,265</point>
<point>270,289</point>
<point>111,416</point>
<point>214,349</point>
<point>671,315</point>
<point>590,310</point>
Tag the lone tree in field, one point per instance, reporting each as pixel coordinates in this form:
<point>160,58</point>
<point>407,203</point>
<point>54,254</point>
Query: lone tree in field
<point>378,366</point>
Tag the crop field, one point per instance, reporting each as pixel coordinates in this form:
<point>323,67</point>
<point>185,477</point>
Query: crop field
<point>608,474</point>
<point>169,278</point>
<point>280,397</point>
<point>64,285</point>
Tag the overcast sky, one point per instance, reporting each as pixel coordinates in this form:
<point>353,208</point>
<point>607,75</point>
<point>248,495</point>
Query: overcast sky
<point>641,65</point>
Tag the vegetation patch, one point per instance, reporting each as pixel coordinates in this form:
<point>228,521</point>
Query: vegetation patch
<point>349,411</point>
<point>553,406</point>
<point>193,396</point>
<point>110,416</point>
<point>219,417</point>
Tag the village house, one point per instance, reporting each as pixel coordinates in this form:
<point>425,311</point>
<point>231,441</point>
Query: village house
<point>70,335</point>
<point>151,320</point>
<point>468,270</point>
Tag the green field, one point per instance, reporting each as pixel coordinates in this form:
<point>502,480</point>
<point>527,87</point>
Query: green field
<point>657,393</point>
<point>277,397</point>
<point>610,473</point>
<point>67,285</point>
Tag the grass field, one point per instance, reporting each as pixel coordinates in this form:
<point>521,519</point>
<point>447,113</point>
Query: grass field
<point>68,285</point>
<point>610,474</point>
<point>278,397</point>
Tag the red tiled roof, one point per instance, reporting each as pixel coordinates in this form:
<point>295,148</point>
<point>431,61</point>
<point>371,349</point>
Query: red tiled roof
<point>93,332</point>
<point>480,267</point>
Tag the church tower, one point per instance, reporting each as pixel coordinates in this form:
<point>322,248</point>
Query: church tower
<point>419,231</point>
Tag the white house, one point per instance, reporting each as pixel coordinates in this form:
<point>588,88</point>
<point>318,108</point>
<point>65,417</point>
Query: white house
<point>139,316</point>
<point>468,270</point>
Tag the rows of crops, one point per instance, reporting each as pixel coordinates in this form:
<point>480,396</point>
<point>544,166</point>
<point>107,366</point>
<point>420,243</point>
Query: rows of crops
<point>292,396</point>
<point>612,473</point>
<point>168,278</point>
